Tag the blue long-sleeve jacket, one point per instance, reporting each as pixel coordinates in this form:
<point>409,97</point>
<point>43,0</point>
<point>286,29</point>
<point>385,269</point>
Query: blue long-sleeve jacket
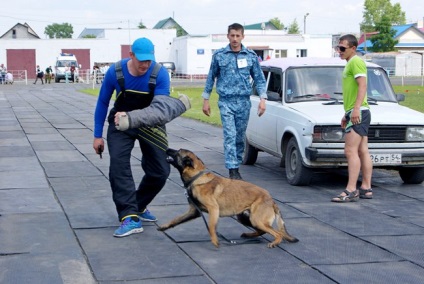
<point>132,83</point>
<point>233,72</point>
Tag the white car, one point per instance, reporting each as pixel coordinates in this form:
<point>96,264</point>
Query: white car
<point>63,67</point>
<point>301,124</point>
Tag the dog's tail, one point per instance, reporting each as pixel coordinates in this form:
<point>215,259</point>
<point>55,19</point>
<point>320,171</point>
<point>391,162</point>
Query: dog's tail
<point>282,227</point>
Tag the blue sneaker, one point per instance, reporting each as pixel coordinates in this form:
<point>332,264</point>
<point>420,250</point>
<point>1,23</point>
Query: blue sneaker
<point>128,227</point>
<point>147,216</point>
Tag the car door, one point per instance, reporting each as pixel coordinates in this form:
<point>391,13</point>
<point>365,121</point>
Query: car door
<point>263,129</point>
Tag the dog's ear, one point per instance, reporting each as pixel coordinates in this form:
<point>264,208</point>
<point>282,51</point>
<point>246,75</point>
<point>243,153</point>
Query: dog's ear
<point>188,162</point>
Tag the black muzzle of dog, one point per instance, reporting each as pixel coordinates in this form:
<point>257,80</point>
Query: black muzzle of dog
<point>172,153</point>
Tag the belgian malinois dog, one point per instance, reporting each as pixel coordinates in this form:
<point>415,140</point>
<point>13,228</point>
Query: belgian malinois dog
<point>223,197</point>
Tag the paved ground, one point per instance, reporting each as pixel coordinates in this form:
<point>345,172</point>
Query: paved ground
<point>57,215</point>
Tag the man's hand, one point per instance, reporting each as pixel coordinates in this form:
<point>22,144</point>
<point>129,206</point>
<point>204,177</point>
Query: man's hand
<point>98,146</point>
<point>355,116</point>
<point>261,107</point>
<point>343,122</point>
<point>206,107</point>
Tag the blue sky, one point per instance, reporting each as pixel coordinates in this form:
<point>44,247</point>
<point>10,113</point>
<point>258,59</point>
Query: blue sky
<point>198,17</point>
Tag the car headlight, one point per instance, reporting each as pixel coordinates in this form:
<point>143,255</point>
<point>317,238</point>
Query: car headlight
<point>415,133</point>
<point>328,134</point>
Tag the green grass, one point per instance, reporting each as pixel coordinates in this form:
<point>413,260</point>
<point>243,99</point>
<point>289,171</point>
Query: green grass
<point>414,98</point>
<point>196,100</point>
<point>195,95</point>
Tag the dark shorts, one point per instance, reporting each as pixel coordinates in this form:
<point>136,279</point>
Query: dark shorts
<point>363,126</point>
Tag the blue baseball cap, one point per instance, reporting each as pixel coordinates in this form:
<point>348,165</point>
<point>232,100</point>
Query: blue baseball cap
<point>143,49</point>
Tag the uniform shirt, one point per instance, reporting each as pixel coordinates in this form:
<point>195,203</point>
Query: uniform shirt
<point>233,71</point>
<point>354,68</point>
<point>132,83</point>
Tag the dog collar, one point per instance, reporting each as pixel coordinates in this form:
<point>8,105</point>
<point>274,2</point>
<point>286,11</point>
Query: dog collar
<point>188,184</point>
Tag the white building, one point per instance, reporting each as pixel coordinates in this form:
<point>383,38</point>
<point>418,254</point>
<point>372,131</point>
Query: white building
<point>191,54</point>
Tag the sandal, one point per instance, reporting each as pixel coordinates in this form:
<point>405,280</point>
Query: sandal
<point>365,193</point>
<point>349,197</point>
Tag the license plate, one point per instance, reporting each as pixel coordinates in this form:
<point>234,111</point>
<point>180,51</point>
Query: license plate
<point>386,158</point>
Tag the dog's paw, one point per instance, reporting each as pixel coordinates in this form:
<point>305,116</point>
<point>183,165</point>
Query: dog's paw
<point>161,229</point>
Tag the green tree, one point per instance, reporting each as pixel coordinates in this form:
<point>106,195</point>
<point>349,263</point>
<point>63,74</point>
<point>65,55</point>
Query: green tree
<point>64,30</point>
<point>293,28</point>
<point>180,30</point>
<point>141,25</point>
<point>374,11</point>
<point>384,41</point>
<point>277,23</point>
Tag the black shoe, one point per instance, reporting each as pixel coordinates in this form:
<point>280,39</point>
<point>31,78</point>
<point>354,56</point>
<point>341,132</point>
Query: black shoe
<point>234,174</point>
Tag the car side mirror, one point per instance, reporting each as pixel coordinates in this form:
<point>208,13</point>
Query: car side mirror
<point>400,97</point>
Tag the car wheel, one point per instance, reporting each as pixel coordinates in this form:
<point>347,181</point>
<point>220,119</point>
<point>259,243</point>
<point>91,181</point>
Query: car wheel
<point>412,175</point>
<point>250,154</point>
<point>296,172</point>
<point>56,80</point>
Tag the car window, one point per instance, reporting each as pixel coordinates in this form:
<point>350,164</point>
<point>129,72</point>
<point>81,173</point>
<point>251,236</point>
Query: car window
<point>168,65</point>
<point>64,63</point>
<point>274,89</point>
<point>254,91</point>
<point>325,83</point>
<point>379,87</point>
<point>313,83</point>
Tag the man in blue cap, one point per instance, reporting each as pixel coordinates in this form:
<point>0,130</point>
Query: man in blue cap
<point>130,79</point>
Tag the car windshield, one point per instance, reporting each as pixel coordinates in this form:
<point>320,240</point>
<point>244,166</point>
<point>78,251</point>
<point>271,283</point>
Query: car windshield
<point>325,83</point>
<point>66,63</point>
<point>168,65</point>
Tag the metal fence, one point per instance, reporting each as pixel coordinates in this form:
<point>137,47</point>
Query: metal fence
<point>94,79</point>
<point>15,76</point>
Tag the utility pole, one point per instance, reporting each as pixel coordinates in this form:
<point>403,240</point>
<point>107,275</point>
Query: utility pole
<point>304,23</point>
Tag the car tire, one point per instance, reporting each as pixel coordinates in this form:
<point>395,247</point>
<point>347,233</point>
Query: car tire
<point>412,175</point>
<point>56,80</point>
<point>296,172</point>
<point>250,154</point>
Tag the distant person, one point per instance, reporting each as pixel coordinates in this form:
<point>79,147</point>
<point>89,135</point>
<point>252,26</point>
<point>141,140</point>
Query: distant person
<point>72,69</point>
<point>9,78</point>
<point>49,72</point>
<point>103,68</point>
<point>233,67</point>
<point>355,122</point>
<point>96,73</point>
<point>39,75</point>
<point>3,71</point>
<point>106,67</point>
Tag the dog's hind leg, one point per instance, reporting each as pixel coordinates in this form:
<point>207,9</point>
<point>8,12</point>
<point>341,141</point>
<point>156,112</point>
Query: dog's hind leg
<point>283,230</point>
<point>282,227</point>
<point>244,219</point>
<point>262,218</point>
<point>191,214</point>
<point>270,230</point>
